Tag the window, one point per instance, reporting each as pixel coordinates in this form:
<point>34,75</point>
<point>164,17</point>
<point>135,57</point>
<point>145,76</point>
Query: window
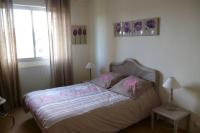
<point>31,32</point>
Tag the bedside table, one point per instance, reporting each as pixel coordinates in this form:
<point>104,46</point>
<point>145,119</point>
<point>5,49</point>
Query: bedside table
<point>175,115</point>
<point>4,115</point>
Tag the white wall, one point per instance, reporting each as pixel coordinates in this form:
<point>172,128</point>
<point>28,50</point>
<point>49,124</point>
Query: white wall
<point>79,16</point>
<point>175,52</point>
<point>34,76</point>
<point>101,53</point>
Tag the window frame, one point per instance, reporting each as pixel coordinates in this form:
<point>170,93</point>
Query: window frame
<point>31,8</point>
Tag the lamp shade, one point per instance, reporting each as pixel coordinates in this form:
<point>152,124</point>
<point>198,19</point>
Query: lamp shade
<point>2,100</point>
<point>90,65</point>
<point>171,82</point>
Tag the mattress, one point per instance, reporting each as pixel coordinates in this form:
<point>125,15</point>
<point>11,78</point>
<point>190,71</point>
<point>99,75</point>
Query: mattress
<point>87,108</point>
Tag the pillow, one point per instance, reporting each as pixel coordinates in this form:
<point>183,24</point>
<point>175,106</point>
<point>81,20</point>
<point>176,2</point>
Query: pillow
<point>132,86</point>
<point>107,80</point>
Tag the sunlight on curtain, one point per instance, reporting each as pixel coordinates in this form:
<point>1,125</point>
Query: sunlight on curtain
<point>59,25</point>
<point>9,79</point>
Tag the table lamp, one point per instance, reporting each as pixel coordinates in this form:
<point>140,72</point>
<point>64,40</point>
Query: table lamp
<point>171,83</point>
<point>89,66</point>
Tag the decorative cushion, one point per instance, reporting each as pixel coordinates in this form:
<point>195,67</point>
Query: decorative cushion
<point>107,80</point>
<point>132,86</point>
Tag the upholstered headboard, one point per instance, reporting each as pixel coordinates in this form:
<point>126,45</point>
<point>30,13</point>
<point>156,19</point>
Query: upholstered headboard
<point>133,67</point>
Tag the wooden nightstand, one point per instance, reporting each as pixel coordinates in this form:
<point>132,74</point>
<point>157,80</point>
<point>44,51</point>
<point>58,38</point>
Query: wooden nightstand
<point>175,115</point>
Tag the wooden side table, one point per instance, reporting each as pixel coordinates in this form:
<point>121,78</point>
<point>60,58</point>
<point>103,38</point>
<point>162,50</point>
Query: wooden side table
<point>175,115</point>
<point>5,115</point>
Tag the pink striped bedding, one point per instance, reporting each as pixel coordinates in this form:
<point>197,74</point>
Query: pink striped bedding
<point>87,108</point>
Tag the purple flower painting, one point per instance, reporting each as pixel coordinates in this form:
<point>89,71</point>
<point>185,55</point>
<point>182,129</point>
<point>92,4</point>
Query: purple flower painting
<point>118,27</point>
<point>151,26</point>
<point>151,23</point>
<point>127,27</point>
<point>79,31</point>
<point>144,27</point>
<point>84,32</point>
<point>75,32</point>
<point>138,26</point>
<point>79,34</point>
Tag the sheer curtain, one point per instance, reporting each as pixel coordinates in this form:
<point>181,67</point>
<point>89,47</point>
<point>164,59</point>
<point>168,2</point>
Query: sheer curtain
<point>59,25</point>
<point>9,79</point>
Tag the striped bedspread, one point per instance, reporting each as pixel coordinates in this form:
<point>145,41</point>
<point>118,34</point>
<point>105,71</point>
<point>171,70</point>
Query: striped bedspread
<point>54,105</point>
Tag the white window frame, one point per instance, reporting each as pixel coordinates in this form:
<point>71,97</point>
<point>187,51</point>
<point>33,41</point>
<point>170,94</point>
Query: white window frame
<point>32,8</point>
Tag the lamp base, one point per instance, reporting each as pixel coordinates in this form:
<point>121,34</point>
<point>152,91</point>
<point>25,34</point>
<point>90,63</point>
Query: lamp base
<point>90,74</point>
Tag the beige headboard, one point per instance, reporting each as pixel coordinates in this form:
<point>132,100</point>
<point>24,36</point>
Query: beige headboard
<point>133,67</point>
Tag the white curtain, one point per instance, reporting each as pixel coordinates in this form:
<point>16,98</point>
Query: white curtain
<point>59,25</point>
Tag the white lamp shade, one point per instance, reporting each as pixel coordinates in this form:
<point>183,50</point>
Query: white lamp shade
<point>90,65</point>
<point>171,82</point>
<point>2,100</point>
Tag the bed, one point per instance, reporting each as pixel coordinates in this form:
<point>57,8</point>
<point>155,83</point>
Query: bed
<point>89,108</point>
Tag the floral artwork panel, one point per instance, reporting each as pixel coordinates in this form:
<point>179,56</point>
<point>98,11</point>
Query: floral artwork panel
<point>143,27</point>
<point>84,34</point>
<point>118,29</point>
<point>74,34</point>
<point>79,34</point>
<point>137,28</point>
<point>127,26</point>
<point>151,26</point>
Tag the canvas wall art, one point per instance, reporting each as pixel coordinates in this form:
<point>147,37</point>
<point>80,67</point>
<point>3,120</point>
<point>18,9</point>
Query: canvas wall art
<point>144,27</point>
<point>79,34</point>
<point>118,30</point>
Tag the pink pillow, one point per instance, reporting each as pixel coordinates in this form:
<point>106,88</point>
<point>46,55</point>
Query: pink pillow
<point>132,86</point>
<point>107,80</point>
